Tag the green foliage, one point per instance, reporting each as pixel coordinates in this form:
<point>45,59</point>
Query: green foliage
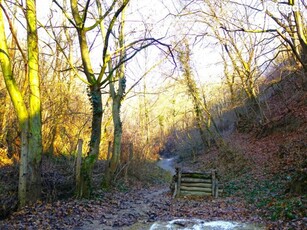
<point>286,208</point>
<point>122,186</point>
<point>89,160</point>
<point>85,189</point>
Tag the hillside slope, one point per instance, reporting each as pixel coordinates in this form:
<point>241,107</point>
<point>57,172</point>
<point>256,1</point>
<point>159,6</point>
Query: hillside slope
<point>266,163</point>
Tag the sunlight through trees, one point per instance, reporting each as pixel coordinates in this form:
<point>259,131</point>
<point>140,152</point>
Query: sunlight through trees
<point>137,81</point>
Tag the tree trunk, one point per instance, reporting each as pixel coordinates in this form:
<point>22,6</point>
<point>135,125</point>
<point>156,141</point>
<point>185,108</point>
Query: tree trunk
<point>88,163</point>
<point>23,165</point>
<point>302,36</point>
<point>117,98</point>
<point>184,58</point>
<point>117,139</point>
<point>21,111</point>
<point>114,162</point>
<point>35,125</point>
<point>29,188</point>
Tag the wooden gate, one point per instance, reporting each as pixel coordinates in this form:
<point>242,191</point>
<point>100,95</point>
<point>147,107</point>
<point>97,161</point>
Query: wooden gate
<point>189,183</point>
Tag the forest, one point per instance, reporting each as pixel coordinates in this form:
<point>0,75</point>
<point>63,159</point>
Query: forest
<point>102,101</point>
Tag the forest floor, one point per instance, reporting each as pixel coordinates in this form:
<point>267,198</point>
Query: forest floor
<point>122,210</point>
<point>263,169</point>
<point>145,205</point>
<point>246,200</point>
<point>257,195</point>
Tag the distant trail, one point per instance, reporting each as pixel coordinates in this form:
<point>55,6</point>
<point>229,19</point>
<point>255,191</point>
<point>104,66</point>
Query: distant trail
<point>167,164</point>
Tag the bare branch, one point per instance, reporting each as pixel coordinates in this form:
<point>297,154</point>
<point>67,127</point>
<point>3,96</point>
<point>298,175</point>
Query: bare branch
<point>101,17</point>
<point>14,34</point>
<point>246,6</point>
<point>248,31</point>
<point>65,13</point>
<point>105,56</point>
<point>152,41</point>
<point>84,17</point>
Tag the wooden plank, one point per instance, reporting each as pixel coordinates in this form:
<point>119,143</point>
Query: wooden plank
<point>184,188</point>
<point>202,185</point>
<point>196,175</point>
<point>196,183</point>
<point>194,193</point>
<point>183,171</point>
<point>195,180</point>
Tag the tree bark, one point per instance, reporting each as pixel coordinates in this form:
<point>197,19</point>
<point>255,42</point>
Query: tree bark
<point>301,32</point>
<point>117,140</point>
<point>117,98</point>
<point>88,163</point>
<point>21,110</point>
<point>29,187</point>
<point>35,124</point>
<point>184,58</point>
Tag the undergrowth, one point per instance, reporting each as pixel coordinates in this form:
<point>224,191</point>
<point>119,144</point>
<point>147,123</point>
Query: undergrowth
<point>269,196</point>
<point>231,162</point>
<point>149,173</point>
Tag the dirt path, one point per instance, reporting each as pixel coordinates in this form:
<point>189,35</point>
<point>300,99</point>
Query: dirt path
<point>133,209</point>
<point>128,210</point>
<point>143,207</point>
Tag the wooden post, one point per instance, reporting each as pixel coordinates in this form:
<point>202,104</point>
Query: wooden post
<point>128,161</point>
<point>78,162</point>
<point>175,190</point>
<point>216,189</point>
<point>213,182</point>
<point>178,181</point>
<point>107,170</point>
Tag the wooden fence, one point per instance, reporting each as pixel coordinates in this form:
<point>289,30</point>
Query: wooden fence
<point>189,183</point>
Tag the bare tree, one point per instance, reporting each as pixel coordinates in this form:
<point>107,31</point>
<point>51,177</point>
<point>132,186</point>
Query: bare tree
<point>290,25</point>
<point>29,117</point>
<point>117,98</point>
<point>104,18</point>
<point>201,110</point>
